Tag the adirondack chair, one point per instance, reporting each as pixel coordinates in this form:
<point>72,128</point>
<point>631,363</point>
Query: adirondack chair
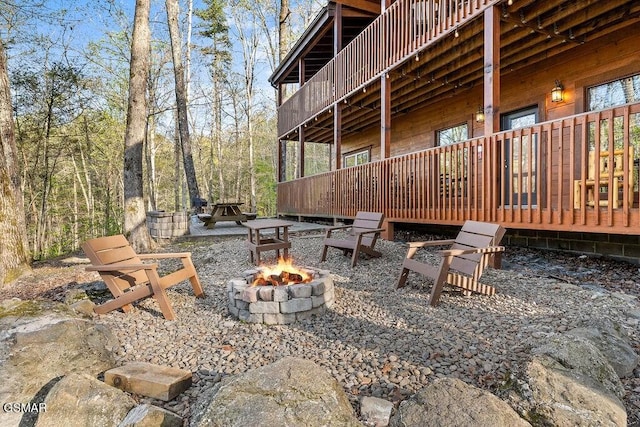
<point>461,266</point>
<point>362,236</point>
<point>130,280</point>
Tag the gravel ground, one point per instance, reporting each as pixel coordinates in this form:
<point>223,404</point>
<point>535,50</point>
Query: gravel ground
<point>375,340</point>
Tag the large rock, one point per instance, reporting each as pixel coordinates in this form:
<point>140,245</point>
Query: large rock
<point>583,357</point>
<point>41,342</point>
<point>564,396</point>
<point>79,400</point>
<point>290,392</point>
<point>449,402</point>
<point>613,342</point>
<point>375,411</point>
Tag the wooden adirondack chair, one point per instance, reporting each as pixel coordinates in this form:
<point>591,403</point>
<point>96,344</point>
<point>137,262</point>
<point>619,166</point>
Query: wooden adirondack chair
<point>129,279</point>
<point>362,236</point>
<point>461,266</point>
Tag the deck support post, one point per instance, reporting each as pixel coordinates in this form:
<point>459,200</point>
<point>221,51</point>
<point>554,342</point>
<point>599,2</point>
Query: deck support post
<point>385,103</point>
<point>301,139</point>
<point>281,176</point>
<point>389,230</point>
<point>336,149</point>
<point>385,117</point>
<point>491,70</point>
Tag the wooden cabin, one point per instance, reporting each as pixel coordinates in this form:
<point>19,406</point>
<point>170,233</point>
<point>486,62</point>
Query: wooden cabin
<point>520,112</point>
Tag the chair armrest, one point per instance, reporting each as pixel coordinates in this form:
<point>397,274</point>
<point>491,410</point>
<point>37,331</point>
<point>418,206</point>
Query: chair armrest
<point>487,250</point>
<point>337,227</point>
<point>165,255</point>
<point>328,230</point>
<point>121,267</point>
<point>375,230</point>
<point>431,243</point>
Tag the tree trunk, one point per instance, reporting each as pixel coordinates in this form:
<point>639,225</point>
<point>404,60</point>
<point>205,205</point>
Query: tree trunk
<point>249,41</point>
<point>222,191</point>
<point>134,210</point>
<point>284,34</point>
<point>284,31</point>
<point>14,256</point>
<point>178,176</point>
<point>181,99</point>
<point>188,51</point>
<point>91,211</point>
<point>150,157</point>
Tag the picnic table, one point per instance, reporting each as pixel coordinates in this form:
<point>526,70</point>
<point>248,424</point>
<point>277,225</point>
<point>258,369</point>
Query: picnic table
<point>223,212</point>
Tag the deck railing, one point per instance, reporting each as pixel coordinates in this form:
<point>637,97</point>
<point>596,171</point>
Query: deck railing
<point>537,177</point>
<point>399,33</point>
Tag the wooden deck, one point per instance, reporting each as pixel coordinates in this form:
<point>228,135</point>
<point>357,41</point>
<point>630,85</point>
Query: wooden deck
<point>522,178</point>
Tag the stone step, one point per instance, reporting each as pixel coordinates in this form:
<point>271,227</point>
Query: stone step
<point>148,379</point>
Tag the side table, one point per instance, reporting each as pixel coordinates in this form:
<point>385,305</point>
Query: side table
<point>257,243</point>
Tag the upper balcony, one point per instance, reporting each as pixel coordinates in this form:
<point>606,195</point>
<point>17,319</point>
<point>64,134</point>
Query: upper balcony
<point>430,49</point>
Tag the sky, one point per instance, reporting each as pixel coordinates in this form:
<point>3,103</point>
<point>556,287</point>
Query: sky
<point>73,24</point>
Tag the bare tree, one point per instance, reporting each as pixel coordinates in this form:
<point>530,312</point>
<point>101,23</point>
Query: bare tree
<point>181,99</point>
<point>14,257</point>
<point>284,29</point>
<point>134,208</point>
<point>247,26</point>
<point>214,27</point>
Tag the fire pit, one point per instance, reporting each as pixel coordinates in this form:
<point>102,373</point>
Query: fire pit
<point>280,294</point>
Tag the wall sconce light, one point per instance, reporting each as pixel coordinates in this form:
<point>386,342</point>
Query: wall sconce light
<point>557,92</point>
<point>480,115</point>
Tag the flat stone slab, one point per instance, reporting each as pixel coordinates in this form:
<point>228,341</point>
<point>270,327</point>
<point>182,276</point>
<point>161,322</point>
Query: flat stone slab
<point>147,379</point>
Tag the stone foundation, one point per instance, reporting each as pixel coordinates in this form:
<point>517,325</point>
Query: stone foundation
<point>278,305</point>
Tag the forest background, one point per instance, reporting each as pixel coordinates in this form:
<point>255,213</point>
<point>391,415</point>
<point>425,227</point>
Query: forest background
<point>68,65</point>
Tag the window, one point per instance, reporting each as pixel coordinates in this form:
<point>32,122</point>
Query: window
<point>617,92</point>
<point>356,158</point>
<point>453,134</point>
<point>609,95</point>
<point>519,119</point>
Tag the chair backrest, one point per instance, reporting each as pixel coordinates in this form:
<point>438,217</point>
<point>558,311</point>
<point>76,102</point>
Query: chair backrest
<point>365,221</point>
<point>473,235</point>
<point>112,250</point>
<point>604,163</point>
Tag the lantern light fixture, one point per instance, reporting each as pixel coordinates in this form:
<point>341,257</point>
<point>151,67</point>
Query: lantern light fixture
<point>557,93</point>
<point>480,115</point>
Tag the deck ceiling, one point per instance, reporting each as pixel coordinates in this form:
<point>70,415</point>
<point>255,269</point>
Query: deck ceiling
<point>316,45</point>
<point>531,31</point>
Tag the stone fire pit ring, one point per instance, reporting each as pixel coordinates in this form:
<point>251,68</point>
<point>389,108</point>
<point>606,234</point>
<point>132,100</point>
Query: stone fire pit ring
<point>280,305</point>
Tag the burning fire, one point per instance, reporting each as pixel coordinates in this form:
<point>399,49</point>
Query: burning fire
<point>283,273</point>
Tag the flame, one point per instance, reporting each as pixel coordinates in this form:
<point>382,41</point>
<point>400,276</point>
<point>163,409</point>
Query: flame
<point>268,273</point>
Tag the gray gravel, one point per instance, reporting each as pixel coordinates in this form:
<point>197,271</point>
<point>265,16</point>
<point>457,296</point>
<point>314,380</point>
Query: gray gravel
<point>375,340</point>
